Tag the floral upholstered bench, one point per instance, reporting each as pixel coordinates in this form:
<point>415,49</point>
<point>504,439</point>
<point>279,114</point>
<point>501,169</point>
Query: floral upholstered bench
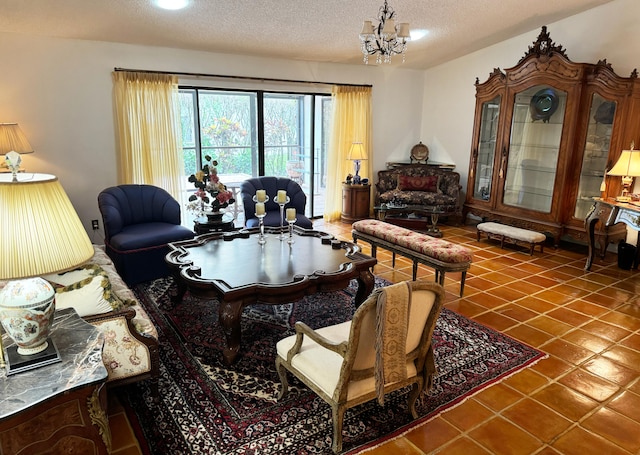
<point>512,234</point>
<point>439,254</point>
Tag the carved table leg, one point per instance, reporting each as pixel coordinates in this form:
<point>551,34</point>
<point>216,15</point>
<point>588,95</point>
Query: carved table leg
<point>229,316</point>
<point>366,283</point>
<point>181,286</point>
<point>589,225</point>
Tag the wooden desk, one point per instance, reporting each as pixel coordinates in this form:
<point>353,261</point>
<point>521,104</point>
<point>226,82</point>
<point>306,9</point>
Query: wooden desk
<point>609,213</point>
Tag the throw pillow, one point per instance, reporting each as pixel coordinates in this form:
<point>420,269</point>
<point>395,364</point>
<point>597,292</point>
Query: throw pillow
<point>87,289</point>
<point>428,183</point>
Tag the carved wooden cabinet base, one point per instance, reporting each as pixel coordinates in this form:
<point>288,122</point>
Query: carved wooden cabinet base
<point>58,408</point>
<point>72,423</point>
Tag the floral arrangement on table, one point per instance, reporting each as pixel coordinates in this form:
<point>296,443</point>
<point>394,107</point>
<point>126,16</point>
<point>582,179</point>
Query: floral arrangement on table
<point>211,194</point>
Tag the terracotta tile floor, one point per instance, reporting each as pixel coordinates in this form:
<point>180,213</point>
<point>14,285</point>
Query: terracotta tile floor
<point>583,399</point>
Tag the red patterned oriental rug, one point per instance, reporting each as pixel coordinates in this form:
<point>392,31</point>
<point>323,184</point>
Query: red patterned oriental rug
<point>208,408</point>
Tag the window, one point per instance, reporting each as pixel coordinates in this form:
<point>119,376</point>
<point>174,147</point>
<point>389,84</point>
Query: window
<point>254,133</point>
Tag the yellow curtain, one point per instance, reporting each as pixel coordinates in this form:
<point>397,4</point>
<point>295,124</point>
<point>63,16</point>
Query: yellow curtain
<point>351,122</point>
<point>148,127</point>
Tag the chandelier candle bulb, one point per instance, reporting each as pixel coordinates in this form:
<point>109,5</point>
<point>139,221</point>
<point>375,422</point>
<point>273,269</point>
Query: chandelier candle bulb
<point>261,195</point>
<point>260,208</point>
<point>282,197</point>
<point>291,214</point>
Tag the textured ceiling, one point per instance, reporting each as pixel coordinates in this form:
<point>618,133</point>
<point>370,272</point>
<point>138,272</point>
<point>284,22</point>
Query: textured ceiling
<point>314,30</point>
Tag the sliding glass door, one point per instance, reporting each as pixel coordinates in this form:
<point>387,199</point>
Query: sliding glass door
<point>255,133</point>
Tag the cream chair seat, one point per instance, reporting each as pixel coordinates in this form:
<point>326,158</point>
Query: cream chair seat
<point>385,347</point>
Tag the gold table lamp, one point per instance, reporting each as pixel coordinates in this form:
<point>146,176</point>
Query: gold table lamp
<point>627,166</point>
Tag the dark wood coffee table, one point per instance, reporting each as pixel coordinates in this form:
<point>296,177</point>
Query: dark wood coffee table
<point>234,268</point>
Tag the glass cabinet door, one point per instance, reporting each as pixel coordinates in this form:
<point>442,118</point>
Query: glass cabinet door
<point>595,154</point>
<point>486,149</point>
<point>536,132</point>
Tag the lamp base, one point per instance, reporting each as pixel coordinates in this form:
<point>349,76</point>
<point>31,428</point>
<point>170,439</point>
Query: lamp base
<point>623,199</point>
<point>17,363</point>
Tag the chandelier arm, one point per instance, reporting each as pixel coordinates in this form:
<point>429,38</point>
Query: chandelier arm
<point>397,46</point>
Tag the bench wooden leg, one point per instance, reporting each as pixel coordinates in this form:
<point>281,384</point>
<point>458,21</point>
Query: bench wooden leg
<point>374,249</point>
<point>393,263</point>
<point>531,249</point>
<point>464,276</point>
<point>415,270</point>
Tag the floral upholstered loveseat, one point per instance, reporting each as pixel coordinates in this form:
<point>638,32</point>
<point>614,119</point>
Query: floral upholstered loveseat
<point>422,185</point>
<point>100,296</point>
<point>130,350</point>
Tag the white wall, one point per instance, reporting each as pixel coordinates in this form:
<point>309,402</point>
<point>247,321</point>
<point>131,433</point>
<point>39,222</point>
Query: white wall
<point>60,92</point>
<point>604,32</point>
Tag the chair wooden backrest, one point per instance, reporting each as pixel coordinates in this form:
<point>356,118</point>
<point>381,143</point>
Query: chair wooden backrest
<point>360,357</point>
<point>347,352</point>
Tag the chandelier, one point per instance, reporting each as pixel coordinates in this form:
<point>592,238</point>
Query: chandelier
<point>386,39</point>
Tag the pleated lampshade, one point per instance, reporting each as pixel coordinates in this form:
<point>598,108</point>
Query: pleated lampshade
<point>40,232</point>
<point>13,139</point>
<point>627,166</point>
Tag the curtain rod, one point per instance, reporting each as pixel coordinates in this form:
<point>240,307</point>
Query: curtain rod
<point>248,78</point>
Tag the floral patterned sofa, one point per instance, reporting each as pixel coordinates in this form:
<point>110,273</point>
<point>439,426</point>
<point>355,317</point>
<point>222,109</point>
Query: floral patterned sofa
<point>419,184</point>
<point>100,296</point>
<point>130,351</point>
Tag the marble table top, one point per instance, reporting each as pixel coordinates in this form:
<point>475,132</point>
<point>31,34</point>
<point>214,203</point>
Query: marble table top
<point>80,347</point>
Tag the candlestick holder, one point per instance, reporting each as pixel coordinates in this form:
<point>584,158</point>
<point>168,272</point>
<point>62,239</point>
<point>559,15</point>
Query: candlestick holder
<point>266,199</point>
<point>291,223</point>
<point>283,235</point>
<point>262,239</point>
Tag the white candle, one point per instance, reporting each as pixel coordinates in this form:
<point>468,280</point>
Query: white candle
<point>291,214</point>
<point>282,197</point>
<point>261,195</point>
<point>260,208</point>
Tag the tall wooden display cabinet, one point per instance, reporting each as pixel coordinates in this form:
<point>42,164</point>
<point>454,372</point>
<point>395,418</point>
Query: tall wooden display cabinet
<point>545,131</point>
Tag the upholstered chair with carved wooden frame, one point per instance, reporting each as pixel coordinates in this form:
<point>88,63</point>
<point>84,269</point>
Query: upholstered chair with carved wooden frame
<point>339,362</point>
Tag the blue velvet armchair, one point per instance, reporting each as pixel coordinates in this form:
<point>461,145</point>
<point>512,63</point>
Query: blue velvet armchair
<point>139,221</point>
<point>298,200</point>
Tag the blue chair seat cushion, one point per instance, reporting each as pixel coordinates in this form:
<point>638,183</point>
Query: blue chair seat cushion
<point>148,235</point>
